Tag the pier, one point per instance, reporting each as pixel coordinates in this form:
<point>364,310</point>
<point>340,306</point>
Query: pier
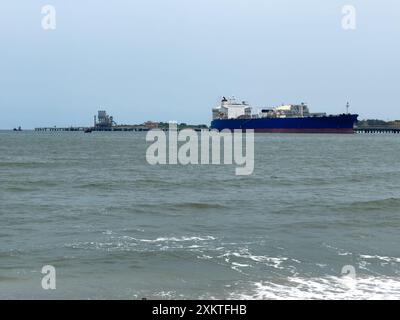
<point>83,129</point>
<point>104,122</point>
<point>377,130</point>
<point>53,129</point>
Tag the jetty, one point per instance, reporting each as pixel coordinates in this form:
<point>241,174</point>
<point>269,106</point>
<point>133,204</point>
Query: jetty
<point>376,126</point>
<point>61,129</point>
<point>376,130</point>
<point>104,122</point>
<point>88,129</point>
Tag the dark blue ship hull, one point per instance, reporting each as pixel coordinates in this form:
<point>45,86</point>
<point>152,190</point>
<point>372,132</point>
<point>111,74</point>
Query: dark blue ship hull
<point>343,123</point>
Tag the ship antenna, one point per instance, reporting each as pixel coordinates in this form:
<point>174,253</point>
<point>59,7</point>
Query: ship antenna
<point>347,107</point>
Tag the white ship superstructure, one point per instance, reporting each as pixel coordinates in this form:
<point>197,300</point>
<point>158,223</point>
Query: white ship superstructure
<point>230,108</point>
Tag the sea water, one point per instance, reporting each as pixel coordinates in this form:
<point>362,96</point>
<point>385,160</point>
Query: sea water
<point>115,227</point>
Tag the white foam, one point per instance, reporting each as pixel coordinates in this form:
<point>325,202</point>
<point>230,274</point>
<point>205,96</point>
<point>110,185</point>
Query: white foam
<point>274,262</point>
<point>174,239</point>
<point>204,257</point>
<point>240,264</point>
<point>383,258</point>
<point>330,288</point>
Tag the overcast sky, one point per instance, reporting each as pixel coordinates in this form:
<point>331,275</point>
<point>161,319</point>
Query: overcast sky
<point>174,59</point>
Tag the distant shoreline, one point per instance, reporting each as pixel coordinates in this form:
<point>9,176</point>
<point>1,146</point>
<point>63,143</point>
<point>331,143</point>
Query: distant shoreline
<point>367,124</point>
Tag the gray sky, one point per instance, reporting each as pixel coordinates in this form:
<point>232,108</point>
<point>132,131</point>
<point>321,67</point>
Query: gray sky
<point>173,59</point>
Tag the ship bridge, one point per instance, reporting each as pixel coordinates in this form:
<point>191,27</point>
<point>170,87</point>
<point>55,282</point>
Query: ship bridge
<point>230,108</point>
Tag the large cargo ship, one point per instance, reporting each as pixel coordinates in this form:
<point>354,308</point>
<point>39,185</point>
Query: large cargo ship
<point>232,114</point>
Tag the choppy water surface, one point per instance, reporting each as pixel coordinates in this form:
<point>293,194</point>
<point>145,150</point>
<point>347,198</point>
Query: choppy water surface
<point>116,227</point>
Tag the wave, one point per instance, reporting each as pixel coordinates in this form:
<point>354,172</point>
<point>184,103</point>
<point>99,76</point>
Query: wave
<point>27,165</point>
<point>244,255</point>
<point>381,258</point>
<point>389,203</point>
<point>128,243</point>
<point>328,288</point>
<point>174,239</point>
<point>19,189</point>
<point>97,185</point>
<point>198,205</point>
